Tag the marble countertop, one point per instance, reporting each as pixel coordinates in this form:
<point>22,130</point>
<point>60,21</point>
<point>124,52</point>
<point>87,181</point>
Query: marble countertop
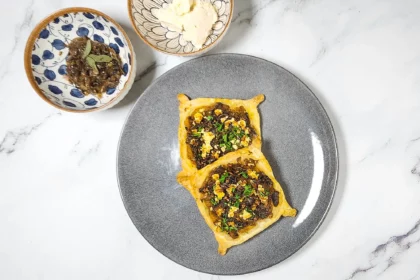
<point>60,209</point>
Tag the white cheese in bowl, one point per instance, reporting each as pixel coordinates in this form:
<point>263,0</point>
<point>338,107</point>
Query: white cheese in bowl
<point>193,18</point>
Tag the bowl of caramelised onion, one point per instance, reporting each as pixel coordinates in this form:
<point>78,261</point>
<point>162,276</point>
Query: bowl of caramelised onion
<point>80,60</point>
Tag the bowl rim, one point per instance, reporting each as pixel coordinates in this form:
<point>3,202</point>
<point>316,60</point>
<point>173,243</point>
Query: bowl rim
<point>34,35</point>
<point>202,50</point>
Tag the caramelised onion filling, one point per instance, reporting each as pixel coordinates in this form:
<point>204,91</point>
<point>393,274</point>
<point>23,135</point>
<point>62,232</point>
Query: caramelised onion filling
<point>215,131</point>
<point>238,195</point>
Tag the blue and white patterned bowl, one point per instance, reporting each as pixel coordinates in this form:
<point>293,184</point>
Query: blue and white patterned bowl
<point>46,52</point>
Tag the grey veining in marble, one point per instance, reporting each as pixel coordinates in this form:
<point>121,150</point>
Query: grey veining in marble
<point>361,58</point>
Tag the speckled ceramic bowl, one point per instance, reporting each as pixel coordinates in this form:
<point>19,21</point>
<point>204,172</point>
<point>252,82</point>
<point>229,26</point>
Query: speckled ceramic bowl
<point>166,40</point>
<point>46,52</point>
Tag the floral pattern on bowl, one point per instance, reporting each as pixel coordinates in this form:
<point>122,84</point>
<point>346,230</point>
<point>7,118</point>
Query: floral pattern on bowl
<point>47,50</point>
<point>167,40</point>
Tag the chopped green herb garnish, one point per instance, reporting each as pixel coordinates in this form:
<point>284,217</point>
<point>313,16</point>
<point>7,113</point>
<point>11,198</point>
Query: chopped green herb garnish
<point>265,193</point>
<point>224,176</point>
<point>214,201</point>
<point>198,133</point>
<point>244,174</point>
<point>231,136</point>
<point>248,190</point>
<point>228,146</point>
<point>236,133</point>
<point>224,137</point>
<point>226,227</point>
<point>219,126</point>
<point>237,203</point>
<point>209,118</point>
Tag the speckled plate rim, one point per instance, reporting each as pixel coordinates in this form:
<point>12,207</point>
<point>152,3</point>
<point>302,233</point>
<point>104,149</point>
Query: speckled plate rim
<point>200,51</point>
<point>335,153</point>
<point>34,35</point>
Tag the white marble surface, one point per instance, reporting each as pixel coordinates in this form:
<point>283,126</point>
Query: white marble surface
<point>60,210</point>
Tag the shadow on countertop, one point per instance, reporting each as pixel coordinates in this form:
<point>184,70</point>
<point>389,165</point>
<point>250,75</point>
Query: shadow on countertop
<point>146,65</point>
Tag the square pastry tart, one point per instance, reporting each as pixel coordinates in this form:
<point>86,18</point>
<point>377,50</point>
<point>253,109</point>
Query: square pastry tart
<point>212,128</point>
<point>239,197</point>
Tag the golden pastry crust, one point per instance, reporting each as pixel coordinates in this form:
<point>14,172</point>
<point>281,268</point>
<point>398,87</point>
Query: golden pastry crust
<point>282,209</point>
<point>187,107</point>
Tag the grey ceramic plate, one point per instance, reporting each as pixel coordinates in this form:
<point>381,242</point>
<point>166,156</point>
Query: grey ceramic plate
<point>298,141</point>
